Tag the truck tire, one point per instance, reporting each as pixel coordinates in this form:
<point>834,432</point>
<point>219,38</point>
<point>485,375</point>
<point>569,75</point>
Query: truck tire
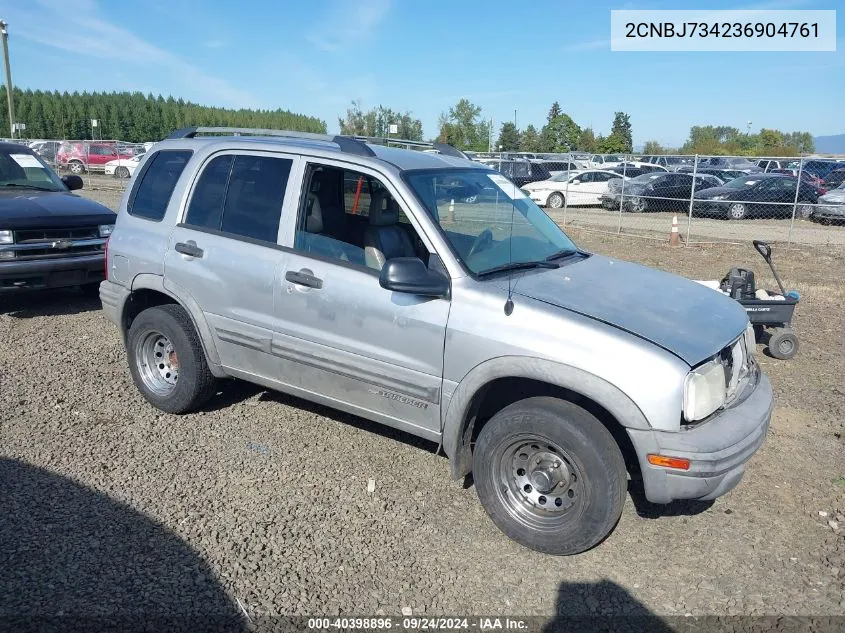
<point>167,361</point>
<point>550,475</point>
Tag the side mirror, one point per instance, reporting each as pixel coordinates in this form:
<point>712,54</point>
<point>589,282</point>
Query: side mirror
<point>575,182</point>
<point>72,182</point>
<point>410,275</point>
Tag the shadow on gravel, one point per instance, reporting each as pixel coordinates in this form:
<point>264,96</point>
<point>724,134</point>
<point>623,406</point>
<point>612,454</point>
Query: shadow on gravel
<point>73,559</point>
<point>37,303</point>
<point>648,510</point>
<point>601,607</point>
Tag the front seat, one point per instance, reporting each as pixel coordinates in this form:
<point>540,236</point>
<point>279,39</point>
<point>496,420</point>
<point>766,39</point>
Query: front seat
<point>384,239</point>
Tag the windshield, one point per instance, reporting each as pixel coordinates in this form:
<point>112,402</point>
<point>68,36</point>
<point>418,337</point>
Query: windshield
<point>27,171</point>
<point>561,177</point>
<point>494,226</point>
<point>741,183</point>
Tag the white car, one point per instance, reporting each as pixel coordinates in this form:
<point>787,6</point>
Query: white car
<point>123,167</point>
<point>579,189</point>
<point>604,161</point>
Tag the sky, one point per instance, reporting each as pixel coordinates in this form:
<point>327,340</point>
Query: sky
<point>511,58</point>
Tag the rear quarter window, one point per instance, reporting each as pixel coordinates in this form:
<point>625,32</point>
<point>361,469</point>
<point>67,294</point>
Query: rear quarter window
<point>152,190</point>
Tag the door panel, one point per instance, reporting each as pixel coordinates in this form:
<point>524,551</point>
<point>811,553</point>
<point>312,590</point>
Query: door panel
<point>354,341</point>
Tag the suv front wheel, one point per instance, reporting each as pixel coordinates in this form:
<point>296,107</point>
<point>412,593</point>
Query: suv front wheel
<point>167,361</point>
<point>550,475</point>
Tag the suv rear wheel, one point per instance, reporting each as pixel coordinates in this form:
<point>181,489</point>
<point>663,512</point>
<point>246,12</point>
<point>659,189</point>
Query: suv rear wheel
<point>76,167</point>
<point>550,475</point>
<point>167,361</point>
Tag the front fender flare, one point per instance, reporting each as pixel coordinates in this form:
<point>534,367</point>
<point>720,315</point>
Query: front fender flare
<point>457,427</point>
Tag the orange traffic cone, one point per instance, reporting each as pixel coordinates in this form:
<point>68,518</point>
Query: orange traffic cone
<point>675,235</point>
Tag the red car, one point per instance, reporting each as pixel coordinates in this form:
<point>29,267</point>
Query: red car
<point>82,156</point>
<point>814,180</point>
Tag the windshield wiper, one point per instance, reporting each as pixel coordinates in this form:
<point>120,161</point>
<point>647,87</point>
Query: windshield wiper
<point>566,252</point>
<point>517,266</point>
<point>12,184</point>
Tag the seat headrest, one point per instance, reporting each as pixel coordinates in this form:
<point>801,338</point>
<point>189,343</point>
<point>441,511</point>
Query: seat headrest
<point>314,215</point>
<point>383,209</point>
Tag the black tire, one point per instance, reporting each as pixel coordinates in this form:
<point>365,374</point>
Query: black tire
<point>737,211</point>
<point>638,205</point>
<point>91,291</point>
<point>582,509</point>
<point>121,172</point>
<point>555,201</point>
<point>195,383</point>
<point>76,167</point>
<point>783,344</point>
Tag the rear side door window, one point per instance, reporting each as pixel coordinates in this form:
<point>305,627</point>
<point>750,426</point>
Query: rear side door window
<point>154,186</point>
<point>241,195</point>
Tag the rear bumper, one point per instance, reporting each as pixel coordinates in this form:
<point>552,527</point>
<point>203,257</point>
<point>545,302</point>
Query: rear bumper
<point>113,297</point>
<point>718,450</point>
<point>39,274</point>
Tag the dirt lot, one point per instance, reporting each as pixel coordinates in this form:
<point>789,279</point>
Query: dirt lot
<point>260,500</point>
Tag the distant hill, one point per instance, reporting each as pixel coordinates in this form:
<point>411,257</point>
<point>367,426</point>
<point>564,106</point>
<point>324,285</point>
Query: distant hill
<point>830,144</point>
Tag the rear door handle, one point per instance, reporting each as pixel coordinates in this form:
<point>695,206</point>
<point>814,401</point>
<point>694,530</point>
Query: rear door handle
<point>304,278</point>
<point>188,248</point>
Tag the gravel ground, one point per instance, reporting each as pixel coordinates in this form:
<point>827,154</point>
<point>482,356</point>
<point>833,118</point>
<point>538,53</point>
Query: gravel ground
<point>260,502</point>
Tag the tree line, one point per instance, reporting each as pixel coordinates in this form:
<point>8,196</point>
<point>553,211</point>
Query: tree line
<point>723,140</point>
<point>133,116</point>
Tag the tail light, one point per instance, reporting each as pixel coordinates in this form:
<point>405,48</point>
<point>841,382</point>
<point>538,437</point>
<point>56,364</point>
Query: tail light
<point>106,260</point>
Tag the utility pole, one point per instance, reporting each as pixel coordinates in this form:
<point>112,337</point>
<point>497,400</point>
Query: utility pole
<point>514,118</point>
<point>4,33</point>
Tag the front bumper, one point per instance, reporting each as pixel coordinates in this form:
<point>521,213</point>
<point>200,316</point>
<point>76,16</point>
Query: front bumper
<point>609,200</point>
<point>62,272</point>
<point>829,212</point>
<point>539,197</point>
<point>717,449</point>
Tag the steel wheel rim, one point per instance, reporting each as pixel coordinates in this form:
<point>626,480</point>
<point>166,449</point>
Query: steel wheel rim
<point>638,205</point>
<point>76,168</point>
<point>555,201</point>
<point>786,346</point>
<point>535,492</point>
<point>737,211</point>
<point>157,363</point>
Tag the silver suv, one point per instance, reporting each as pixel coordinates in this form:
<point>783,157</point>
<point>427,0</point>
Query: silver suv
<point>428,293</point>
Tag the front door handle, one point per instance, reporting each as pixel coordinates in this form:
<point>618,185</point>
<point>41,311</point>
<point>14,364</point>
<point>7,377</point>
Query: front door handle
<point>304,278</point>
<point>188,248</point>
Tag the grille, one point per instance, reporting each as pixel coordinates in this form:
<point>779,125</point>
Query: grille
<point>34,237</point>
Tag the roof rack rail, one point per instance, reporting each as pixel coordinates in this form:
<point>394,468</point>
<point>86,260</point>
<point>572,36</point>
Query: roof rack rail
<point>443,148</point>
<point>346,144</point>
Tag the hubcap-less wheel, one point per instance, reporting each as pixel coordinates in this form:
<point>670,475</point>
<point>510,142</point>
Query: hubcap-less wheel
<point>76,168</point>
<point>736,211</point>
<point>539,484</point>
<point>157,363</point>
<point>555,201</point>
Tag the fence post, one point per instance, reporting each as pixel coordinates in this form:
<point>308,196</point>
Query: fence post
<point>795,202</point>
<point>566,192</point>
<point>691,198</point>
<point>622,197</point>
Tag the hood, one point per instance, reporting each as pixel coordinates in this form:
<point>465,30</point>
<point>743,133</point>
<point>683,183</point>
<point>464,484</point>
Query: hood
<point>22,209</point>
<point>690,320</point>
<point>540,184</point>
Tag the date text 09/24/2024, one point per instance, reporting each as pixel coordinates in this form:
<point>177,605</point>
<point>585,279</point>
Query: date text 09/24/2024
<point>418,623</point>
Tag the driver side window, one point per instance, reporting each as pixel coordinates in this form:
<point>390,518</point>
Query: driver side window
<point>351,217</point>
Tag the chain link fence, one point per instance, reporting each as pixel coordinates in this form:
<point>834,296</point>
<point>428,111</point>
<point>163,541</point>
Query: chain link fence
<point>101,163</point>
<point>714,198</point>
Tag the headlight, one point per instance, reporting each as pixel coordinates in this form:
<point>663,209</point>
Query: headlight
<point>750,340</point>
<point>106,229</point>
<point>704,390</point>
<point>722,197</point>
<point>5,237</point>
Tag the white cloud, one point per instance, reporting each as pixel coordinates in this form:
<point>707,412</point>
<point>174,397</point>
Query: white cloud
<point>214,43</point>
<point>347,24</point>
<point>78,29</point>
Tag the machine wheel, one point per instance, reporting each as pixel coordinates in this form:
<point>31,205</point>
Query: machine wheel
<point>783,344</point>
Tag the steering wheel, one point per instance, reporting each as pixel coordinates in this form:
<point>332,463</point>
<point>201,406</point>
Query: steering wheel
<point>482,242</point>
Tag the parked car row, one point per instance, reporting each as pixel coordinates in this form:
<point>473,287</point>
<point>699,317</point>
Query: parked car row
<point>114,158</point>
